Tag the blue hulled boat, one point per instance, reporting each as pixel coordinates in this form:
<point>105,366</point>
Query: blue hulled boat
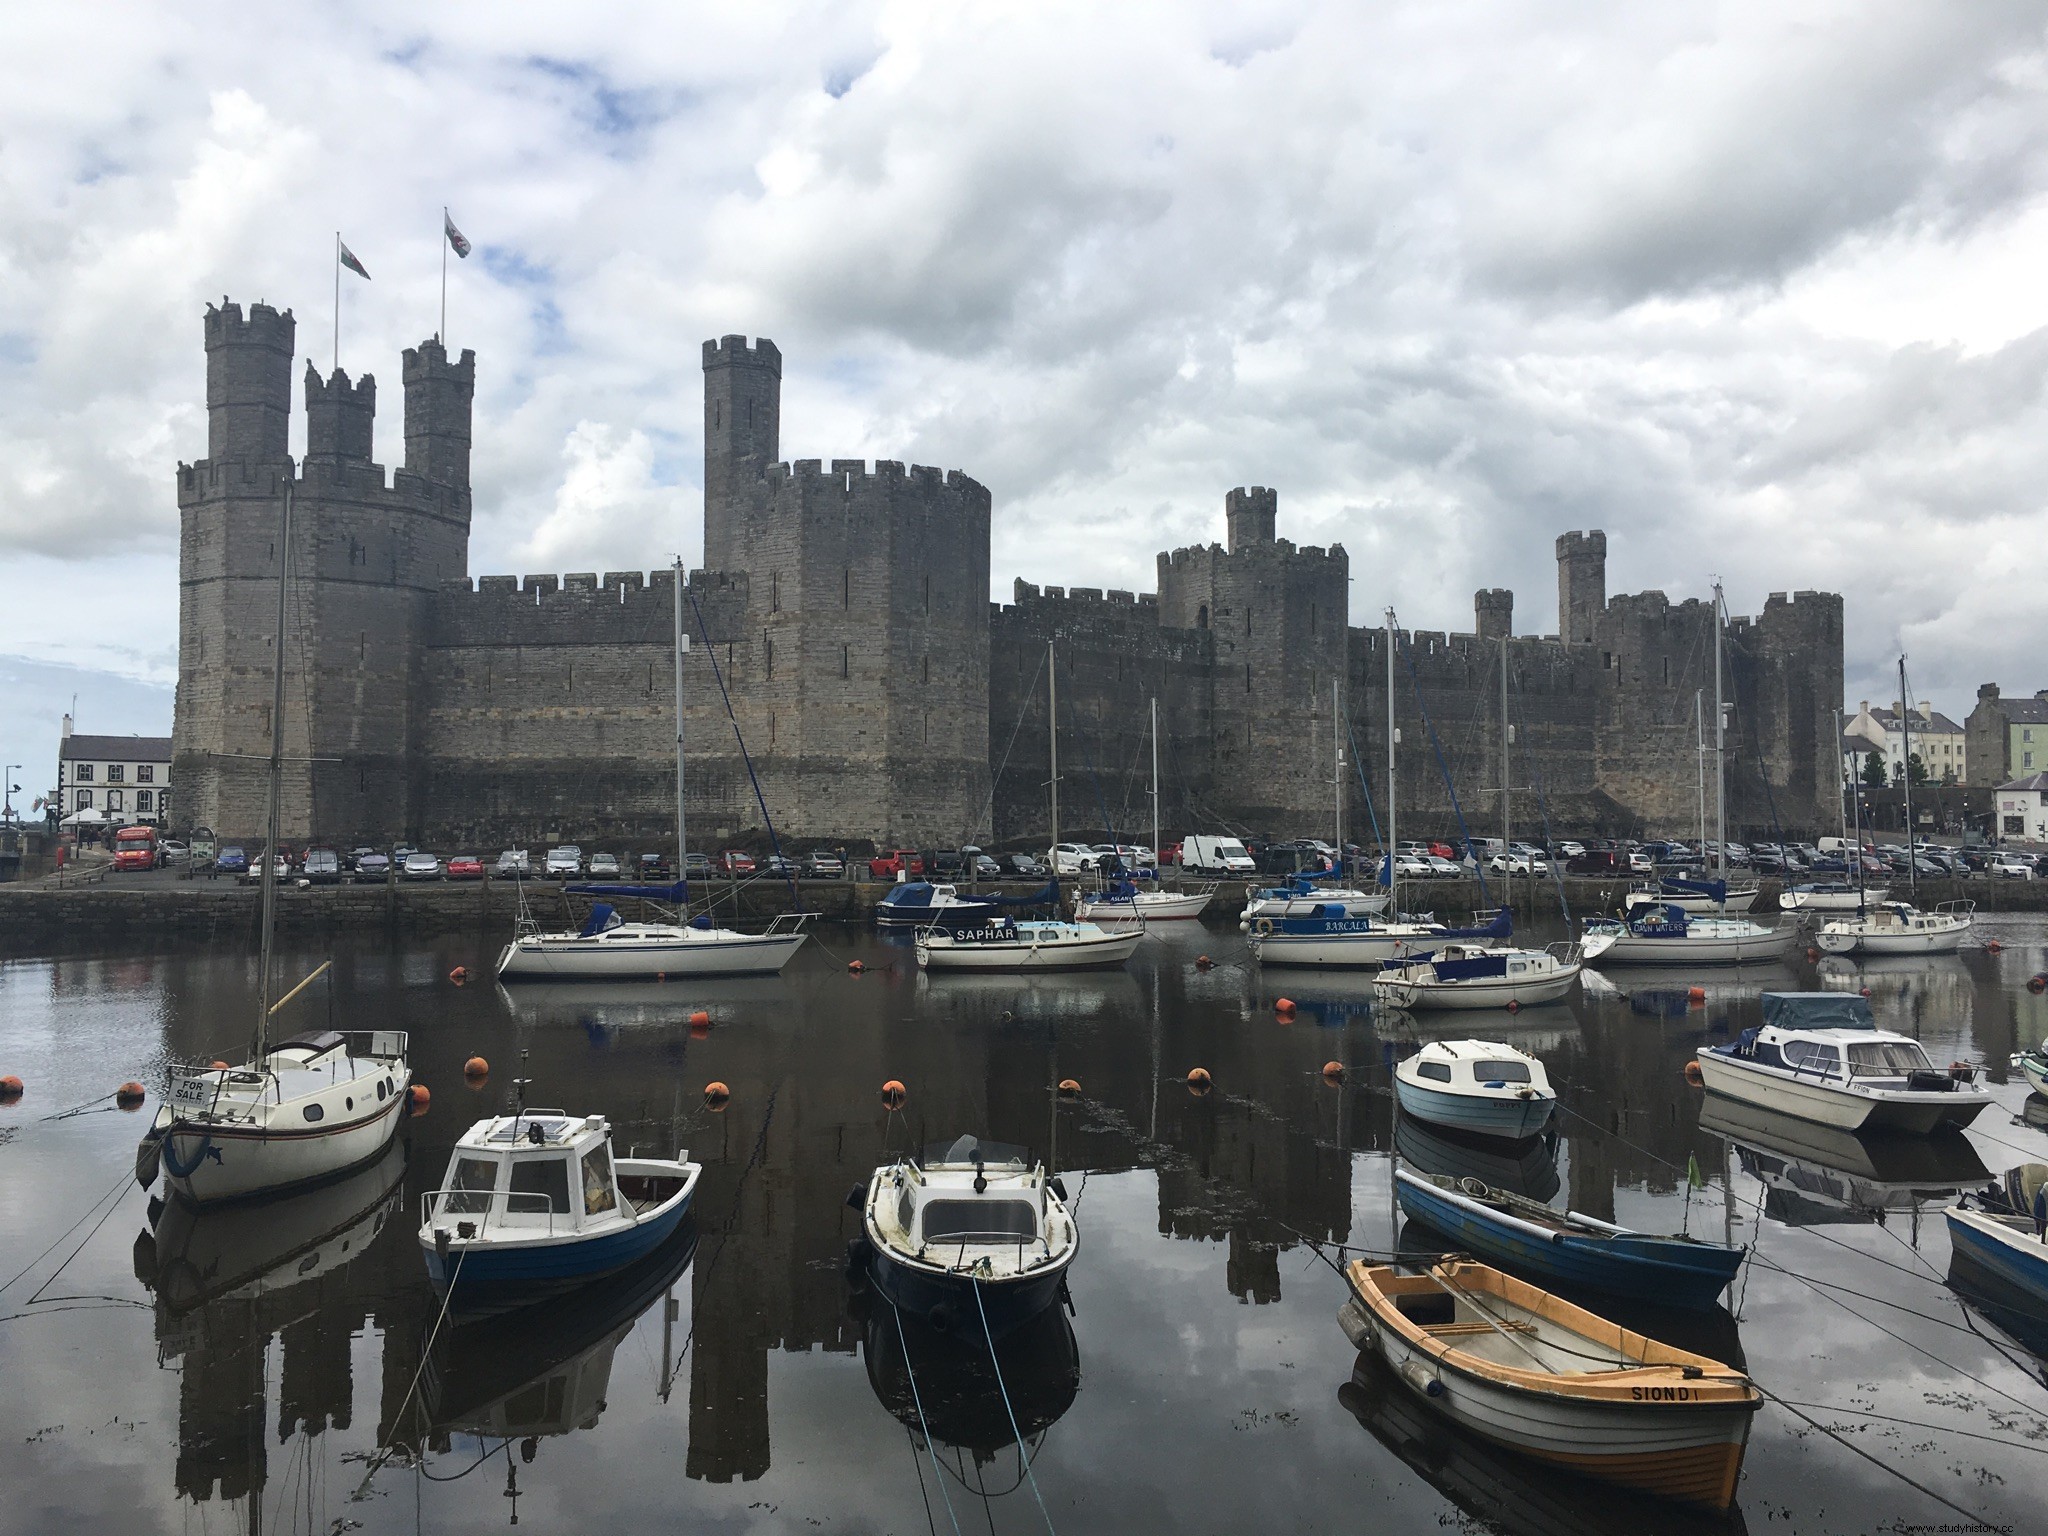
<point>919,904</point>
<point>1531,1238</point>
<point>2001,1235</point>
<point>1476,1085</point>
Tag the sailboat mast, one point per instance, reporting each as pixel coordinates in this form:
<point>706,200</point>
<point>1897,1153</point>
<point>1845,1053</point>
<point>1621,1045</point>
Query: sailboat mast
<point>1720,750</point>
<point>1337,767</point>
<point>1393,903</point>
<point>1155,782</point>
<point>1507,863</point>
<point>284,555</point>
<point>1052,743</point>
<point>1699,733</point>
<point>682,649</point>
<point>1906,765</point>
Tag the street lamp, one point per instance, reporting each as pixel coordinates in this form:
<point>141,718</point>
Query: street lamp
<point>13,789</point>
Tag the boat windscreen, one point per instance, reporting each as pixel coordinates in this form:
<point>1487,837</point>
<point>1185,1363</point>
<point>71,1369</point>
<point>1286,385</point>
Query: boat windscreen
<point>945,1219</point>
<point>1500,1071</point>
<point>1886,1058</point>
<point>965,1151</point>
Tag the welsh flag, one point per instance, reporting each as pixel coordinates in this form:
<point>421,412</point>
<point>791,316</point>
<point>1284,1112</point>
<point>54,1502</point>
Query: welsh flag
<point>348,259</point>
<point>455,236</point>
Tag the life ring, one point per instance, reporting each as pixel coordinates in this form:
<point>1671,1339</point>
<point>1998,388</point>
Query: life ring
<point>1263,926</point>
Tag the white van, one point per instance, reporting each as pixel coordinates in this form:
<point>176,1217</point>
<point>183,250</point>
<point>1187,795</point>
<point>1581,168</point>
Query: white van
<point>1835,847</point>
<point>1216,856</point>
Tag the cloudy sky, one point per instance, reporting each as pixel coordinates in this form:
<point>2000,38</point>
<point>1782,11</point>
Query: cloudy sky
<point>1761,289</point>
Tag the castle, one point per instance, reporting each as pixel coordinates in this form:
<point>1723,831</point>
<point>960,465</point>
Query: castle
<point>844,613</point>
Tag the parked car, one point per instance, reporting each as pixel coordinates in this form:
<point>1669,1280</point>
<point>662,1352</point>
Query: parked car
<point>906,862</point>
<point>1073,858</point>
<point>697,866</point>
<point>1605,861</point>
<point>1025,866</point>
<point>1518,864</point>
<point>281,868</point>
<point>604,866</point>
<point>986,868</point>
<point>465,866</point>
<point>1640,863</point>
<point>1439,868</point>
<point>515,862</point>
<point>945,864</point>
<point>735,862</point>
<point>779,865</point>
<point>372,865</point>
<point>563,863</point>
<point>322,866</point>
<point>421,866</point>
<point>176,852</point>
<point>232,861</point>
<point>1411,866</point>
<point>2012,866</point>
<point>823,864</point>
<point>656,866</point>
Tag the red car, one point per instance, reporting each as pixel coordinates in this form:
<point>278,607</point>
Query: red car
<point>733,862</point>
<point>465,866</point>
<point>899,861</point>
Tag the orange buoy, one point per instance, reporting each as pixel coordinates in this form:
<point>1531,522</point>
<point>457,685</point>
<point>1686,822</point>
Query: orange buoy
<point>1203,962</point>
<point>1283,1005</point>
<point>894,1094</point>
<point>418,1096</point>
<point>699,1031</point>
<point>1069,1088</point>
<point>1694,1076</point>
<point>10,1088</point>
<point>459,975</point>
<point>218,1066</point>
<point>1333,1071</point>
<point>2038,983</point>
<point>716,1096</point>
<point>1992,946</point>
<point>130,1095</point>
<point>1198,1080</point>
<point>1514,1005</point>
<point>855,967</point>
<point>1812,953</point>
<point>1696,995</point>
<point>476,1069</point>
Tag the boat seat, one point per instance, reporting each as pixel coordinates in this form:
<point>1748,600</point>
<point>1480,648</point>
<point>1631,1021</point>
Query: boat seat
<point>1456,1330</point>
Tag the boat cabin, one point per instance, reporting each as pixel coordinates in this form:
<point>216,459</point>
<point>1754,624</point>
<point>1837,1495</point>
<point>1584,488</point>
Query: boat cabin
<point>1478,1066</point>
<point>540,1169</point>
<point>967,1192</point>
<point>1867,1058</point>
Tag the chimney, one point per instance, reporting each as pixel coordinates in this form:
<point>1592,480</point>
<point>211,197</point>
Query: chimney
<point>67,728</point>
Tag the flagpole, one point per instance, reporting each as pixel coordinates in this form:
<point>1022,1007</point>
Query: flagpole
<point>442,334</point>
<point>337,301</point>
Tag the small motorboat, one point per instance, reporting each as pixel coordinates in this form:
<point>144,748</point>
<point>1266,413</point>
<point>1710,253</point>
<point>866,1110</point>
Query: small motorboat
<point>1476,1085</point>
<point>2003,1232</point>
<point>607,947</point>
<point>1895,928</point>
<point>1566,1247</point>
<point>1460,976</point>
<point>1530,1371</point>
<point>970,1231</point>
<point>1302,897</point>
<point>1027,944</point>
<point>1660,933</point>
<point>1693,893</point>
<point>1125,901</point>
<point>2033,1066</point>
<point>533,1204</point>
<point>1818,1056</point>
<point>1830,896</point>
<point>919,904</point>
<point>1331,938</point>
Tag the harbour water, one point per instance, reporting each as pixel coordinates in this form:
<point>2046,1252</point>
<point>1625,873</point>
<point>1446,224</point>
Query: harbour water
<point>270,1368</point>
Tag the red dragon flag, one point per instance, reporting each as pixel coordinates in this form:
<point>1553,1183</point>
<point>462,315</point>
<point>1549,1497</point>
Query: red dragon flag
<point>348,259</point>
<point>455,236</point>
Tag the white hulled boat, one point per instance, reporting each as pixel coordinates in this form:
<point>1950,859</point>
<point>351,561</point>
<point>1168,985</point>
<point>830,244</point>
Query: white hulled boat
<point>2033,1066</point>
<point>1009,944</point>
<point>1331,940</point>
<point>1476,1085</point>
<point>1686,894</point>
<point>1830,896</point>
<point>1127,902</point>
<point>1668,935</point>
<point>1302,897</point>
<point>1460,977</point>
<point>1894,928</point>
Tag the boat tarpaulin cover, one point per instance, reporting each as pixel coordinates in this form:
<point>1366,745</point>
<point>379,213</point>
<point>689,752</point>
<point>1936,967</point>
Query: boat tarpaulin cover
<point>679,892</point>
<point>1716,889</point>
<point>1818,1010</point>
<point>1471,967</point>
<point>601,917</point>
<point>1502,927</point>
<point>1049,896</point>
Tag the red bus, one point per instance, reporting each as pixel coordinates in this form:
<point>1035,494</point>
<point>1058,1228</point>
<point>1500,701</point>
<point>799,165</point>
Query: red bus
<point>135,848</point>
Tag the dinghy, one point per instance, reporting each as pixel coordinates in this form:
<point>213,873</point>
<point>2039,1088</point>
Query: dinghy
<point>1475,1085</point>
<point>968,1232</point>
<point>1530,1371</point>
<point>1458,976</point>
<point>1566,1247</point>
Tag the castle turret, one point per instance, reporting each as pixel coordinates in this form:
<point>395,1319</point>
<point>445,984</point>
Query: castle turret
<point>438,398</point>
<point>742,434</point>
<point>248,383</point>
<point>1251,516</point>
<point>1581,585</point>
<point>1494,613</point>
<point>340,416</point>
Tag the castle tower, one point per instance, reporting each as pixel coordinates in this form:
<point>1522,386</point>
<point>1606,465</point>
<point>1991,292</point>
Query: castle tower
<point>742,434</point>
<point>1251,517</point>
<point>248,384</point>
<point>340,417</point>
<point>438,399</point>
<point>1581,585</point>
<point>1494,613</point>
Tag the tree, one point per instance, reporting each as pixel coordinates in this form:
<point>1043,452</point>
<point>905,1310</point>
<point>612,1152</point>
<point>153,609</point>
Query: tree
<point>1916,771</point>
<point>1873,770</point>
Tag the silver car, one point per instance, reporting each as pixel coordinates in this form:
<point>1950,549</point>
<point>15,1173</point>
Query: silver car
<point>564,863</point>
<point>422,866</point>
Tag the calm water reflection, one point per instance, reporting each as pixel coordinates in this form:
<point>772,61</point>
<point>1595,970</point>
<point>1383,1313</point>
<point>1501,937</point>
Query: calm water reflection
<point>264,1365</point>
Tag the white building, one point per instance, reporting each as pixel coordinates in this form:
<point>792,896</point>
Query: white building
<point>1937,740</point>
<point>125,778</point>
<point>2023,808</point>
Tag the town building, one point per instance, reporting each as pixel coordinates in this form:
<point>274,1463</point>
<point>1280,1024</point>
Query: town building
<point>2022,808</point>
<point>1856,750</point>
<point>842,630</point>
<point>126,779</point>
<point>1936,740</point>
<point>2007,738</point>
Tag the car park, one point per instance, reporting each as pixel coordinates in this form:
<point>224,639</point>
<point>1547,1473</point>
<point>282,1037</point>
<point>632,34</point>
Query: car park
<point>465,866</point>
<point>322,867</point>
<point>564,862</point>
<point>823,864</point>
<point>232,860</point>
<point>604,866</point>
<point>515,862</point>
<point>655,866</point>
<point>372,865</point>
<point>421,866</point>
<point>697,866</point>
<point>778,865</point>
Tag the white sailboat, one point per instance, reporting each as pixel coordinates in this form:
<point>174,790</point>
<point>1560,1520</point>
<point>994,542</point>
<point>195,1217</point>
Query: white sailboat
<point>1126,902</point>
<point>611,948</point>
<point>299,1110</point>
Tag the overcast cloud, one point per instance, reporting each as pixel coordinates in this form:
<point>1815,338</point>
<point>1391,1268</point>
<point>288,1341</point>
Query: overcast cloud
<point>1758,288</point>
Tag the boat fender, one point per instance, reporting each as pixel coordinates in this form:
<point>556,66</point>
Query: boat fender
<point>1421,1378</point>
<point>419,1098</point>
<point>1694,1075</point>
<point>1284,1006</point>
<point>1514,1006</point>
<point>459,975</point>
<point>855,967</point>
<point>149,1156</point>
<point>1993,946</point>
<point>857,1198</point>
<point>2037,984</point>
<point>1263,926</point>
<point>1059,1187</point>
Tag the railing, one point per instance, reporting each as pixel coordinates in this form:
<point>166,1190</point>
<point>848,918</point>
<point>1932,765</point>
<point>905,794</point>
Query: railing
<point>477,1208</point>
<point>1564,952</point>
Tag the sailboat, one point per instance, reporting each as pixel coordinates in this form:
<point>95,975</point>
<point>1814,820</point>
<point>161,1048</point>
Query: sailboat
<point>1124,901</point>
<point>607,946</point>
<point>1304,895</point>
<point>1660,932</point>
<point>298,1110</point>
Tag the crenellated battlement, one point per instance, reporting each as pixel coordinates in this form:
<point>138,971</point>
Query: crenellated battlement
<point>735,351</point>
<point>274,329</point>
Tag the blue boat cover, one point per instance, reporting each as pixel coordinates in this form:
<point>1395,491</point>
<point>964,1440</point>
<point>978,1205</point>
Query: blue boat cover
<point>679,892</point>
<point>1501,927</point>
<point>1717,889</point>
<point>914,893</point>
<point>1818,1010</point>
<point>601,917</point>
<point>1049,895</point>
<point>1471,968</point>
<point>1658,922</point>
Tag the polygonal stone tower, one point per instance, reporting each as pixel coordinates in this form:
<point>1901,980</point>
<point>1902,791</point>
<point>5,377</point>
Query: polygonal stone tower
<point>1581,585</point>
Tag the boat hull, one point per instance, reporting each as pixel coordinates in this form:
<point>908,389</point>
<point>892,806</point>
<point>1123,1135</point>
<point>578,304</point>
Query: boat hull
<point>1668,1270</point>
<point>1909,1114</point>
<point>1688,949</point>
<point>1478,993</point>
<point>948,1303</point>
<point>2012,1255</point>
<point>1163,906</point>
<point>1514,1117</point>
<point>2033,1066</point>
<point>504,1275</point>
<point>1057,955</point>
<point>234,1162</point>
<point>1939,941</point>
<point>889,915</point>
<point>565,957</point>
<point>1348,951</point>
<point>1831,901</point>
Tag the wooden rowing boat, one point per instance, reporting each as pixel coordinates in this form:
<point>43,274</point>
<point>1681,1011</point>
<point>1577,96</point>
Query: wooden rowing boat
<point>1530,1371</point>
